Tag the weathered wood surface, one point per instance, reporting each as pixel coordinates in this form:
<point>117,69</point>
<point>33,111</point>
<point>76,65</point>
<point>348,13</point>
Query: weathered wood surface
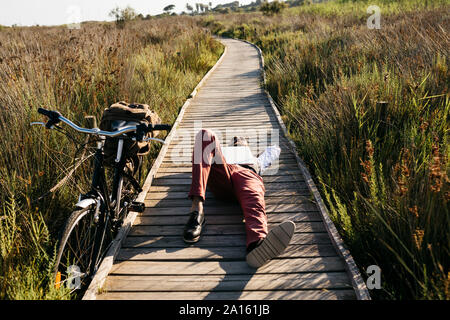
<point>155,263</point>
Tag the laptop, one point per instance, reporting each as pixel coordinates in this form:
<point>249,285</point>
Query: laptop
<point>238,155</point>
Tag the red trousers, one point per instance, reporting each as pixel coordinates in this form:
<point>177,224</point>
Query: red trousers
<point>228,181</point>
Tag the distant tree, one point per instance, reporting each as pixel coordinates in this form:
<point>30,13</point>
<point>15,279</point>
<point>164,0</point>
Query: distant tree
<point>189,8</point>
<point>123,15</point>
<point>271,8</point>
<point>169,8</point>
<point>197,6</point>
<point>224,10</point>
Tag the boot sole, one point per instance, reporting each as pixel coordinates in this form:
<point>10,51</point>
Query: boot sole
<point>273,245</point>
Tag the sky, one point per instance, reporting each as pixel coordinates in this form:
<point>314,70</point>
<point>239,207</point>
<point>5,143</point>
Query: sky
<point>57,12</point>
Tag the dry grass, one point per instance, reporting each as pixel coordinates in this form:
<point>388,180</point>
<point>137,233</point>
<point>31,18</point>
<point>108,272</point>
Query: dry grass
<point>78,72</point>
<point>383,171</point>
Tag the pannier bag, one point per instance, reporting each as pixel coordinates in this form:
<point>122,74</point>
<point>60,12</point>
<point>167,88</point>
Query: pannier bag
<point>123,114</point>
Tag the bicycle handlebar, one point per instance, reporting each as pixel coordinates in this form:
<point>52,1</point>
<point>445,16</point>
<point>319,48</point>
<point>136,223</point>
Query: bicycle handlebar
<point>141,129</point>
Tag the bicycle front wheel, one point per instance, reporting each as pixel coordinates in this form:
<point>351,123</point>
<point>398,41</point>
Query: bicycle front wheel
<point>82,245</point>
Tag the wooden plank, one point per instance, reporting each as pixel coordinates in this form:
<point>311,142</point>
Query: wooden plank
<point>295,265</point>
<point>288,187</point>
<point>213,241</point>
<point>187,148</point>
<point>220,108</point>
<point>216,206</point>
<point>219,253</point>
<point>322,294</point>
<point>187,167</point>
<point>214,229</point>
<point>237,121</point>
<point>189,145</point>
<point>211,117</point>
<point>231,100</point>
<point>184,154</point>
<point>271,196</point>
<point>255,136</point>
<point>212,283</point>
<point>223,128</point>
<point>164,203</point>
<point>238,124</point>
<point>230,208</point>
<point>183,195</point>
<point>164,220</point>
<point>187,181</point>
<point>188,161</point>
<point>266,178</point>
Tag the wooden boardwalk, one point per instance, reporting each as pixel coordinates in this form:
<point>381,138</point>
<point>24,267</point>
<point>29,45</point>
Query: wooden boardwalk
<point>153,261</point>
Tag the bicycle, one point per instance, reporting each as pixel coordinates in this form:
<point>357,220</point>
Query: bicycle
<point>99,213</point>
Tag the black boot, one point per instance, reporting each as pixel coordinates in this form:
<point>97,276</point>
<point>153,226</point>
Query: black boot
<point>193,227</point>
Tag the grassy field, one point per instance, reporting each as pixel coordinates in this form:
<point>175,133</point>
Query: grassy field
<point>369,112</point>
<point>79,73</point>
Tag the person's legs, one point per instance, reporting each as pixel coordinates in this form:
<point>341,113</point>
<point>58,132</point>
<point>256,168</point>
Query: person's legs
<point>261,245</point>
<point>208,167</point>
<point>249,190</point>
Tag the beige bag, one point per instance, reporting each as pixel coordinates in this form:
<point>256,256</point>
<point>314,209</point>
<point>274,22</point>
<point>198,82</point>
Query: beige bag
<point>133,113</point>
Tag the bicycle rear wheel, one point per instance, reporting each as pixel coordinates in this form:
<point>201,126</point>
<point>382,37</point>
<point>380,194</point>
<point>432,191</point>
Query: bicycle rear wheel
<point>83,243</point>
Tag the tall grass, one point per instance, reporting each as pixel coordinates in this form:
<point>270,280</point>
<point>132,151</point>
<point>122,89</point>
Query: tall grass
<point>79,73</point>
<point>382,167</point>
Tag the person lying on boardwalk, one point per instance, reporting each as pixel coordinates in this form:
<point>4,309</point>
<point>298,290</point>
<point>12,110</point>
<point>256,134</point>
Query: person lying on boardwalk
<point>241,182</point>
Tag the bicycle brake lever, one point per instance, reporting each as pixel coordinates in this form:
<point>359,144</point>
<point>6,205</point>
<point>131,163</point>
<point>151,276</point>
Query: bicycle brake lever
<point>141,130</point>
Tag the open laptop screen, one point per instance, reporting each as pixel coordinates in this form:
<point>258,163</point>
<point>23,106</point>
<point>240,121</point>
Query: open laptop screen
<point>238,155</point>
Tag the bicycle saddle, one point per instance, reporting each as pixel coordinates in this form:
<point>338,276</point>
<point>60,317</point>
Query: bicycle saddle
<point>116,125</point>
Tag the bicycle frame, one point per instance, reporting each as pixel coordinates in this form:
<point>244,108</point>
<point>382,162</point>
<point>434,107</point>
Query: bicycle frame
<point>99,184</point>
<point>109,205</point>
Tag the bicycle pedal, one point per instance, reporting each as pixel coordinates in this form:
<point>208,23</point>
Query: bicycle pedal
<point>137,206</point>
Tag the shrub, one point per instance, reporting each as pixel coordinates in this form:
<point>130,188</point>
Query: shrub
<point>271,8</point>
<point>123,15</point>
